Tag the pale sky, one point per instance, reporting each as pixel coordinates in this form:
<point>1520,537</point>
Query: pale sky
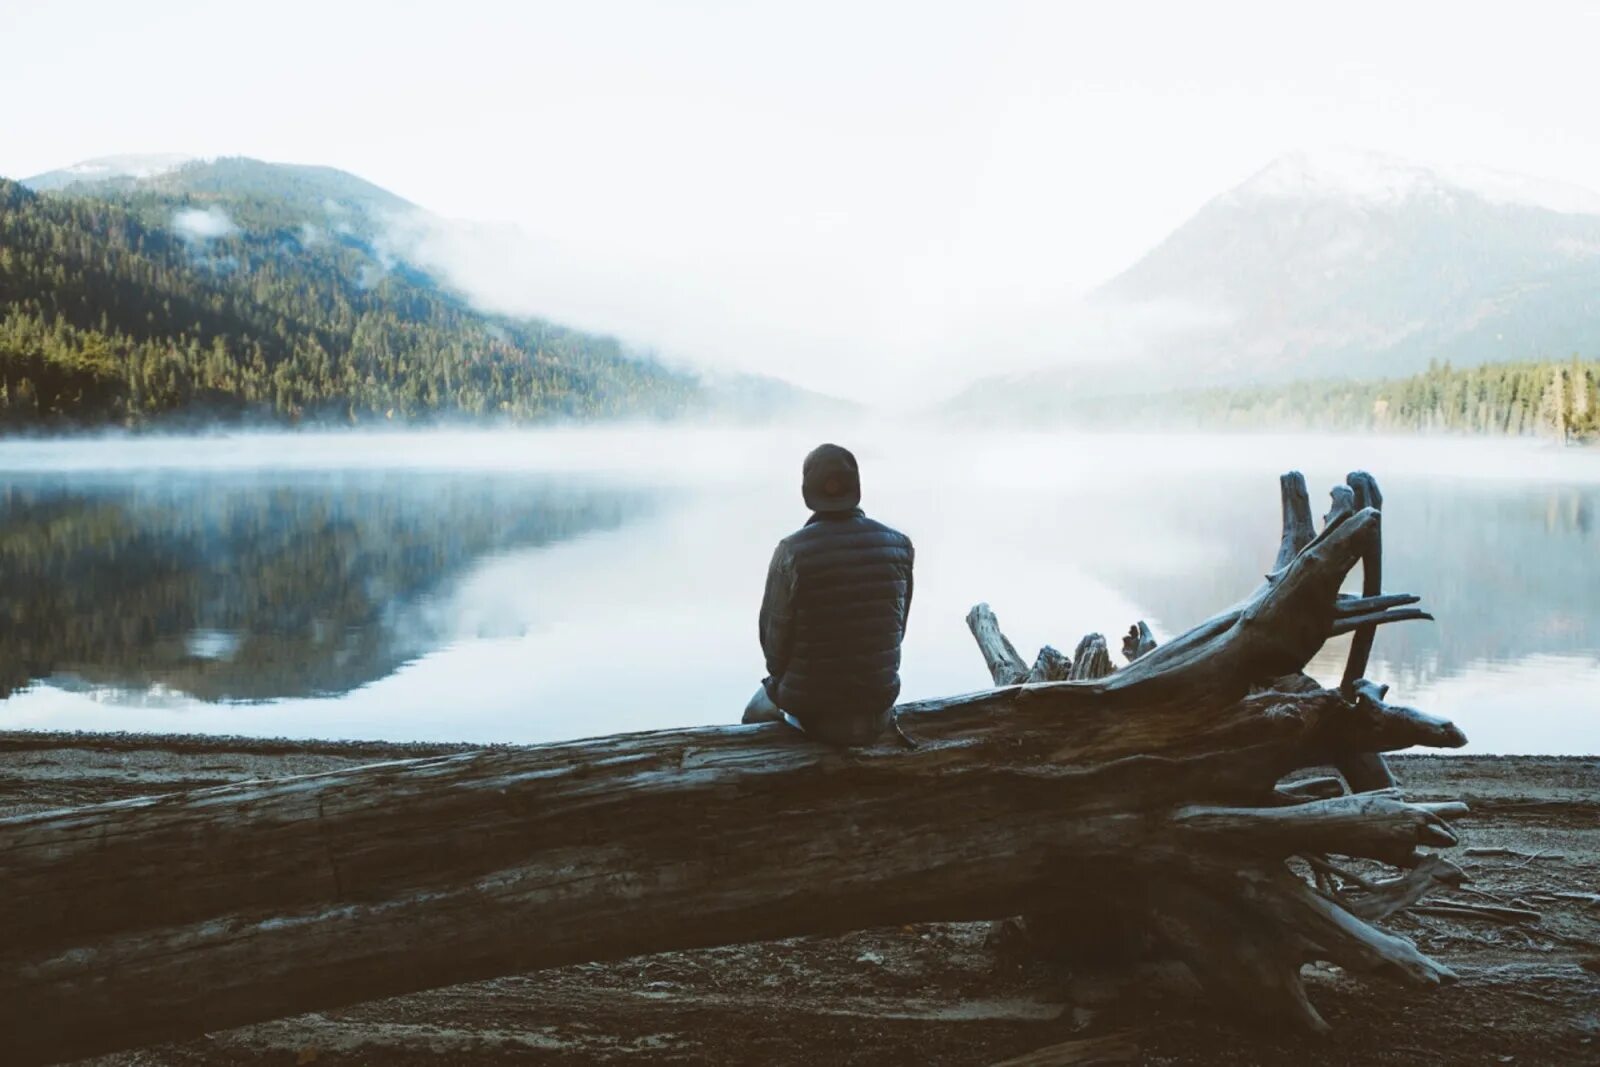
<point>849,195</point>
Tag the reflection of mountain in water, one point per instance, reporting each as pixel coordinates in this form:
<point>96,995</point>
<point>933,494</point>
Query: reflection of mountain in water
<point>1508,570</point>
<point>249,587</point>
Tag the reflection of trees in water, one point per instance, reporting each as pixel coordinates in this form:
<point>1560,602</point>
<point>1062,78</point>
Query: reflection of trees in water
<point>1509,570</point>
<point>246,587</point>
<point>253,587</point>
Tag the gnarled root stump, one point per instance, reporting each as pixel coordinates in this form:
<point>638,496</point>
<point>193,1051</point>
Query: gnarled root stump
<point>1214,921</point>
<point>162,918</point>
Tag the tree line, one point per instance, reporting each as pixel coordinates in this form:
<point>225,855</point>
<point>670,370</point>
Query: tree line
<point>1547,398</point>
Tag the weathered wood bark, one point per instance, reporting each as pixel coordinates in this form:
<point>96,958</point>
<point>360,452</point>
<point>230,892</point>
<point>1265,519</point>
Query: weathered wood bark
<point>1050,666</point>
<point>1137,641</point>
<point>1298,529</point>
<point>162,918</point>
<point>1367,770</point>
<point>1091,660</point>
<point>999,655</point>
<point>1363,771</point>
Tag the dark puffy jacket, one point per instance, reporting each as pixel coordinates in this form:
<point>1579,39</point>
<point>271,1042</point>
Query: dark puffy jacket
<point>838,593</point>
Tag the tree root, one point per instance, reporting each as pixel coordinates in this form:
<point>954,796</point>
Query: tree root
<point>1225,901</point>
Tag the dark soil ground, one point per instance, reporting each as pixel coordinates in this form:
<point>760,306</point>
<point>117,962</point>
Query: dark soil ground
<point>938,994</point>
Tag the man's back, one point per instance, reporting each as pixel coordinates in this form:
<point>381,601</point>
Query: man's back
<point>834,612</point>
<point>852,594</point>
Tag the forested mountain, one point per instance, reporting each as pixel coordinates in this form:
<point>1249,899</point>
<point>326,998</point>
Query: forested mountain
<point>1559,399</point>
<point>238,289</point>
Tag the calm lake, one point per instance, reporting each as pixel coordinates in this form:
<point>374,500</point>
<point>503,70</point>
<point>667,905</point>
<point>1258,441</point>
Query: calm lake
<point>539,585</point>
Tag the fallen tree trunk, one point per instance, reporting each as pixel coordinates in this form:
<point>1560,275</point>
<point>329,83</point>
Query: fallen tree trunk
<point>162,918</point>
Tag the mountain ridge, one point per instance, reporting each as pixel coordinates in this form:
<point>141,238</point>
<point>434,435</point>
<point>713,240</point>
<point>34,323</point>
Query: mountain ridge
<point>1370,267</point>
<point>1383,178</point>
<point>235,289</point>
<point>293,270</point>
<point>133,167</point>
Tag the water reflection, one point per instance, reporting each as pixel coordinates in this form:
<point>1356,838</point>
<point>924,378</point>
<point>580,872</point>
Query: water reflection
<point>1508,570</point>
<point>527,587</point>
<point>251,586</point>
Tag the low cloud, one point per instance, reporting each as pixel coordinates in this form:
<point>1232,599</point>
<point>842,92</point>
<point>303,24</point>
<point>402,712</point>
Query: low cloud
<point>824,330</point>
<point>203,224</point>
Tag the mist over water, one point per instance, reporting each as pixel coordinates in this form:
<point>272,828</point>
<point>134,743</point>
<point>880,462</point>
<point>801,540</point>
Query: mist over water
<point>536,585</point>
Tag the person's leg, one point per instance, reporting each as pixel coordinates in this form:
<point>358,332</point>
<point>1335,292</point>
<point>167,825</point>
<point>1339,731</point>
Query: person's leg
<point>761,708</point>
<point>849,731</point>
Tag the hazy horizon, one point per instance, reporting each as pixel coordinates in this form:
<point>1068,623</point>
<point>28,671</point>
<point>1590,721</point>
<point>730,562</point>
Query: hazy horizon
<point>868,201</point>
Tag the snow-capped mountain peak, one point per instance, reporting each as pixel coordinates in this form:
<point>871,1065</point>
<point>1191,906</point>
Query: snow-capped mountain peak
<point>1380,179</point>
<point>138,167</point>
<point>130,166</point>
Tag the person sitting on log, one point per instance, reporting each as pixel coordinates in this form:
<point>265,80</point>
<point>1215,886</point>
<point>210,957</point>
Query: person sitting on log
<point>834,612</point>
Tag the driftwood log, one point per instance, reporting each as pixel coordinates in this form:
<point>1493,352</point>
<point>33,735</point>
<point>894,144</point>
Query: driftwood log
<point>1098,926</point>
<point>149,920</point>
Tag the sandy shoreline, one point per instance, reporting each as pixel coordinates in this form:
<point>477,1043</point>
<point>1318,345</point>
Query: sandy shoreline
<point>935,993</point>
